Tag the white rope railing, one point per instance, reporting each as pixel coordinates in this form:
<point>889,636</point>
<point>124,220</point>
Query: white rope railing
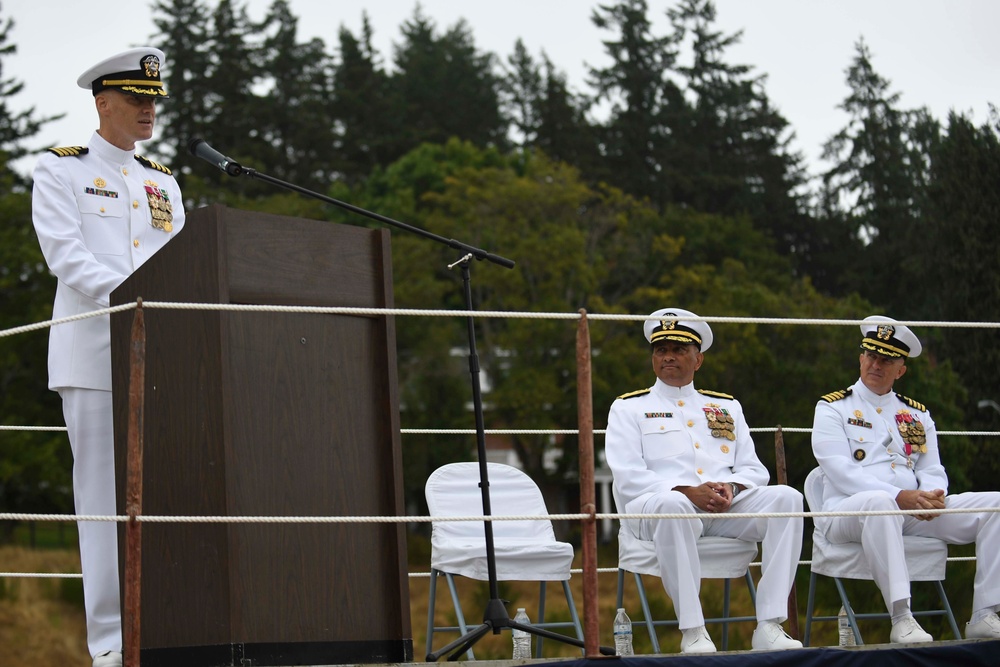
<point>580,516</point>
<point>341,310</point>
<point>528,431</point>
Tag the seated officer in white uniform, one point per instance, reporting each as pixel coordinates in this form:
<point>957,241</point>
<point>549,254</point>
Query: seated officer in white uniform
<point>879,451</point>
<point>674,449</point>
<point>100,211</point>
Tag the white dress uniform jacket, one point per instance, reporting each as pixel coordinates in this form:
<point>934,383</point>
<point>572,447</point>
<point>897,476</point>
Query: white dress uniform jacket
<point>663,438</point>
<point>668,436</point>
<point>93,214</point>
<point>858,444</point>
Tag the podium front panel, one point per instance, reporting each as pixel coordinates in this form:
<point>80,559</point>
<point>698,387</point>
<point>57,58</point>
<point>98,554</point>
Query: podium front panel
<point>267,414</point>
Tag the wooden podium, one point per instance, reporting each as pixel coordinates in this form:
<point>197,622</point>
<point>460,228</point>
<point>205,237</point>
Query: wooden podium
<point>267,414</point>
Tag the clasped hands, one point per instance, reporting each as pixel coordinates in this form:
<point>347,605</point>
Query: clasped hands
<point>710,496</point>
<point>917,500</point>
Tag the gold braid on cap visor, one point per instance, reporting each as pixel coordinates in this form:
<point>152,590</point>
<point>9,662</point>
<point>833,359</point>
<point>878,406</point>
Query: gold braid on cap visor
<point>879,346</point>
<point>677,335</point>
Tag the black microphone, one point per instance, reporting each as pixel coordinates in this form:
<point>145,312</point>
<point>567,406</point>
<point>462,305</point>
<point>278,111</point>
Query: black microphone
<point>198,148</point>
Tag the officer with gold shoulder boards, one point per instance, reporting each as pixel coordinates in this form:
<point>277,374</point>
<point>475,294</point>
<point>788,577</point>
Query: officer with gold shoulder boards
<point>878,450</point>
<point>674,449</point>
<point>100,211</point>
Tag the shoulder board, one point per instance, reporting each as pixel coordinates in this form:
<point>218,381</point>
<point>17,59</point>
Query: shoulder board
<point>837,395</point>
<point>633,394</point>
<point>912,403</point>
<point>152,165</point>
<point>69,151</point>
<point>716,394</point>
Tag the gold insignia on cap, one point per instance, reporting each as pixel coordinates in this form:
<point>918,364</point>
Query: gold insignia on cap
<point>885,331</point>
<point>100,182</point>
<point>668,325</point>
<point>859,455</point>
<point>151,65</point>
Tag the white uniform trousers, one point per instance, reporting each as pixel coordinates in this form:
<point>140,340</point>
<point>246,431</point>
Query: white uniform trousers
<point>675,542</point>
<point>881,537</point>
<point>89,421</point>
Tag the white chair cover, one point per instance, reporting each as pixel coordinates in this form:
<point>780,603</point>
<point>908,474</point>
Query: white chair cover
<point>721,557</point>
<point>525,550</point>
<point>926,557</point>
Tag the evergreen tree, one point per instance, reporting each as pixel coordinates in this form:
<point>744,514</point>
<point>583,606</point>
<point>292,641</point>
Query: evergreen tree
<point>545,114</point>
<point>446,87</point>
<point>15,127</point>
<point>34,466</point>
<point>644,101</point>
<point>878,178</point>
<point>368,130</point>
<point>184,38</point>
<point>733,156</point>
<point>959,280</point>
<point>298,141</point>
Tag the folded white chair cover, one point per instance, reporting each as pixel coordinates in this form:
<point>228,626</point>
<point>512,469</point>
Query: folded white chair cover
<point>525,550</point>
<point>926,557</point>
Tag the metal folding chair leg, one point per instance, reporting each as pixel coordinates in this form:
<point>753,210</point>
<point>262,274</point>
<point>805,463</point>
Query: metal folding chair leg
<point>852,616</point>
<point>650,623</point>
<point>462,627</point>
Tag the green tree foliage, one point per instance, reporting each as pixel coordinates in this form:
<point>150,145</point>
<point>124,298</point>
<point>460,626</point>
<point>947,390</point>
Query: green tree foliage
<point>296,138</point>
<point>427,65</point>
<point>643,100</point>
<point>879,175</point>
<point>733,157</point>
<point>545,114</point>
<point>367,127</point>
<point>34,466</point>
<point>961,283</point>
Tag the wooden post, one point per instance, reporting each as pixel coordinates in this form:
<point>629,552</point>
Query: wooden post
<point>588,505</point>
<point>133,491</point>
<point>782,471</point>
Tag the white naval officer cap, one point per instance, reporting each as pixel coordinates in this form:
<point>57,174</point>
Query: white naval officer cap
<point>135,72</point>
<point>673,325</point>
<point>883,335</point>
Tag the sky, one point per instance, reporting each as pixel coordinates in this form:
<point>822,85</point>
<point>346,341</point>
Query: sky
<point>939,54</point>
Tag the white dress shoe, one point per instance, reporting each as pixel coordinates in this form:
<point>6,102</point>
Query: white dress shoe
<point>908,631</point>
<point>696,640</point>
<point>988,628</point>
<point>108,659</point>
<point>769,636</point>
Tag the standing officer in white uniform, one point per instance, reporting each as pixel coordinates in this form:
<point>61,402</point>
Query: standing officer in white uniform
<point>879,451</point>
<point>100,211</point>
<point>674,449</point>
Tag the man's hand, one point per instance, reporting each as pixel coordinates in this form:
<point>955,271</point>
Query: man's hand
<point>710,496</point>
<point>917,500</point>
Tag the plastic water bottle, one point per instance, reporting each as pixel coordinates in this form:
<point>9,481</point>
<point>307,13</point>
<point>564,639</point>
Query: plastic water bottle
<point>623,633</point>
<point>846,632</point>
<point>522,639</point>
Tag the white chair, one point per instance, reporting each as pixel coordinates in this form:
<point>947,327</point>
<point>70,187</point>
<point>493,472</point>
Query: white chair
<point>525,550</point>
<point>926,558</point>
<point>721,558</point>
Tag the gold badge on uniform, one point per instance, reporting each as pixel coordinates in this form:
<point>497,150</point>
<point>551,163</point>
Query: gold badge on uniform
<point>912,430</point>
<point>859,455</point>
<point>858,420</point>
<point>100,182</point>
<point>160,207</point>
<point>720,422</point>
<point>724,449</point>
